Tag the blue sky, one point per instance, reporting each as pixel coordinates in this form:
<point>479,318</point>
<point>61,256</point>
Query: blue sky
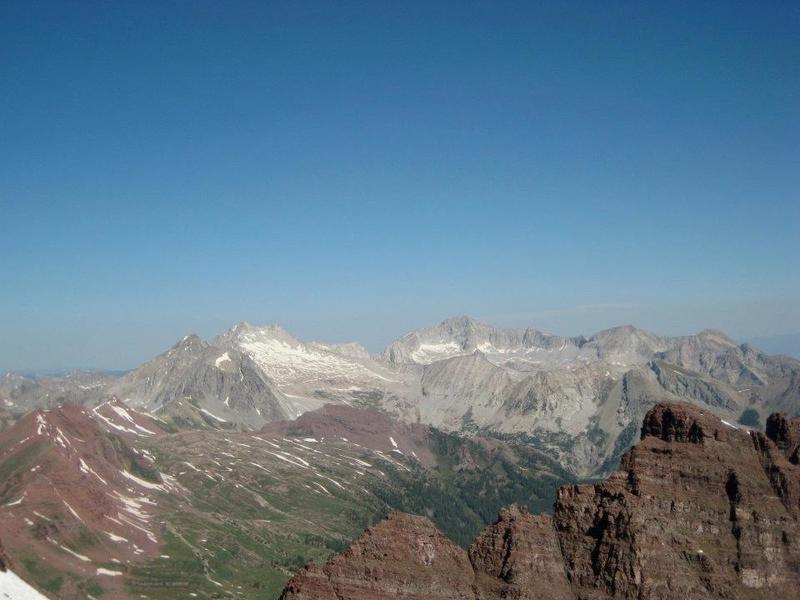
<point>355,170</point>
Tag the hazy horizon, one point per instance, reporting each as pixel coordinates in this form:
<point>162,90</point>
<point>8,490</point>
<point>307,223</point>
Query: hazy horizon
<point>355,171</point>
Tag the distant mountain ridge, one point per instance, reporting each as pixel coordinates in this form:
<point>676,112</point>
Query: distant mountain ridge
<point>214,446</point>
<point>577,398</point>
<point>582,397</point>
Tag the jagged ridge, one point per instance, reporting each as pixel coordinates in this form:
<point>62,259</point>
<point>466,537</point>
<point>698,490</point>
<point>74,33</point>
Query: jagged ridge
<point>699,509</point>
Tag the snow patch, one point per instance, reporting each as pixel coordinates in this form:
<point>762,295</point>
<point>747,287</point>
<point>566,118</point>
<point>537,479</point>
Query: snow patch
<point>80,557</point>
<point>222,360</point>
<point>289,361</point>
<point>288,458</point>
<point>17,501</point>
<point>126,415</point>
<point>213,416</point>
<point>111,423</point>
<point>87,469</point>
<point>14,588</point>
<point>143,483</point>
<point>428,353</point>
<point>115,538</point>
<point>72,510</point>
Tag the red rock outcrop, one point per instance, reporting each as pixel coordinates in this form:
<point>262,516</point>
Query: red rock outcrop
<point>698,509</point>
<point>785,433</point>
<point>518,558</point>
<point>404,556</point>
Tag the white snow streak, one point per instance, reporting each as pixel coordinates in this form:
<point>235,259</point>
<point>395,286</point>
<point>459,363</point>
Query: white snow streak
<point>213,416</point>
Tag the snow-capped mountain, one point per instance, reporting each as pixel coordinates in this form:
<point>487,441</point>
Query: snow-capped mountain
<point>312,374</point>
<point>577,398</point>
<point>223,384</point>
<point>521,349</point>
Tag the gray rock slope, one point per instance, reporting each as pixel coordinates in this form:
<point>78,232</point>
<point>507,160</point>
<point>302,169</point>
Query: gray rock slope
<point>578,398</point>
<point>20,394</point>
<point>311,374</point>
<point>224,385</point>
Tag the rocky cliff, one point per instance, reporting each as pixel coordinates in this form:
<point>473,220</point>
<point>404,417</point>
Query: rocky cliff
<point>698,509</point>
<point>402,557</point>
<point>518,557</point>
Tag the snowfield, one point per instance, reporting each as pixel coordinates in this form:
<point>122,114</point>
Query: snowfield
<point>287,361</point>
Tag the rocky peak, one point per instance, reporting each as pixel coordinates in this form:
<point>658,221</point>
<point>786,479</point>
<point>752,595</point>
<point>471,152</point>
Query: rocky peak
<point>695,511</point>
<point>462,330</point>
<point>245,332</point>
<point>626,344</point>
<point>463,335</point>
<point>223,382</point>
<point>714,336</point>
<point>190,342</point>
<point>241,326</point>
<point>675,423</point>
<point>403,556</point>
<point>459,323</point>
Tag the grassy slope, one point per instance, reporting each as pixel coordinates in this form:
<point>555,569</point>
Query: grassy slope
<point>240,531</point>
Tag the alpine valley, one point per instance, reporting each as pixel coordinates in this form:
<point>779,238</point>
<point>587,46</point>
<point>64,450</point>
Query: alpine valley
<point>221,467</point>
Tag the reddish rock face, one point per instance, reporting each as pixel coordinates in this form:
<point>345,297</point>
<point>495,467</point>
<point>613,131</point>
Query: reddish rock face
<point>402,557</point>
<point>699,509</point>
<point>785,433</point>
<point>518,557</point>
<point>675,423</point>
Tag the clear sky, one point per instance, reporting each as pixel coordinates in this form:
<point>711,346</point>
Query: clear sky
<point>353,170</point>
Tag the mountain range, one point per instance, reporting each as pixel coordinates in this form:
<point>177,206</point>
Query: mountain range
<point>578,399</point>
<point>221,467</point>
